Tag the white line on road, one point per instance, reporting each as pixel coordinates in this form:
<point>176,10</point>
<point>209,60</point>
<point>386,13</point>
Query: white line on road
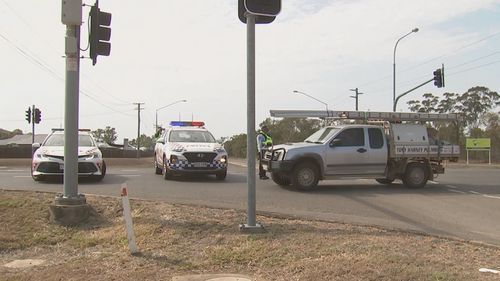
<point>457,191</point>
<point>129,175</point>
<point>473,192</point>
<point>434,182</point>
<point>129,170</point>
<point>452,186</point>
<point>489,196</point>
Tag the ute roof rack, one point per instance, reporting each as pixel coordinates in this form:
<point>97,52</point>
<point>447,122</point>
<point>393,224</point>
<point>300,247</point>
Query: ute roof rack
<point>366,115</point>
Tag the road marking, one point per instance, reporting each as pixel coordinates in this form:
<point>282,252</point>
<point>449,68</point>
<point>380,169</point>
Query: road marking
<point>129,175</point>
<point>457,191</point>
<point>129,170</point>
<point>434,182</point>
<point>473,192</point>
<point>490,196</point>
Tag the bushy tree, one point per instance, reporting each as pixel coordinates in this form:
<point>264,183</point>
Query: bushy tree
<point>107,135</point>
<point>144,141</point>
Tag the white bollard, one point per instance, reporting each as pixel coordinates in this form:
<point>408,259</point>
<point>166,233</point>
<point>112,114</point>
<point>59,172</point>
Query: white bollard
<point>128,220</point>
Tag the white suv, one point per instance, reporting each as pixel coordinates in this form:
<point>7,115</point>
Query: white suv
<point>188,148</point>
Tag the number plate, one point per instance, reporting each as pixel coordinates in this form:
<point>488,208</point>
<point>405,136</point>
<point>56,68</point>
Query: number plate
<point>200,164</point>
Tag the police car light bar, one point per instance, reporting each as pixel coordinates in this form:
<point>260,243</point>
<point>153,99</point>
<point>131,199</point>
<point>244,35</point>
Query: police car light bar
<point>187,123</point>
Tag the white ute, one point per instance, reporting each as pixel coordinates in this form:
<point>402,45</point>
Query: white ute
<point>386,152</point>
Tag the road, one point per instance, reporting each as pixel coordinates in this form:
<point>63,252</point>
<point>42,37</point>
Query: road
<point>463,203</point>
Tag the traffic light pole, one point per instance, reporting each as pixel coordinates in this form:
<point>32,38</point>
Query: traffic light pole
<point>32,126</point>
<point>251,225</point>
<point>71,113</point>
<point>407,92</point>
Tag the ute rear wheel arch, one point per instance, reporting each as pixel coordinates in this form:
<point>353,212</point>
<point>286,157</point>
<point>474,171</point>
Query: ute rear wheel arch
<point>416,175</point>
<point>305,176</point>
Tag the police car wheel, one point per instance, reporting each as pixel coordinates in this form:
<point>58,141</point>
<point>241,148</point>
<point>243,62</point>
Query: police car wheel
<point>221,175</point>
<point>166,174</point>
<point>158,170</point>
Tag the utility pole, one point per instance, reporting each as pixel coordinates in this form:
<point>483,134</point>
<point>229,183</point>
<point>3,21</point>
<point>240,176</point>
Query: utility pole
<point>356,96</point>
<point>138,127</point>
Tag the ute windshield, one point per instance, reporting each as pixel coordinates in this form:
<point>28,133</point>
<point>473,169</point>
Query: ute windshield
<point>322,135</point>
<point>191,136</point>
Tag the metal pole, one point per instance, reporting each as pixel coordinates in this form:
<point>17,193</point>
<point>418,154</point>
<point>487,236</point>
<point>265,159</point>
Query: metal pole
<point>394,66</point>
<point>405,93</point>
<point>251,140</point>
<point>71,112</point>
<point>138,128</point>
<point>251,225</point>
<point>33,126</point>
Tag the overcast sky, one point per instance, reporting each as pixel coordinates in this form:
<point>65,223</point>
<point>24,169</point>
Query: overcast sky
<point>167,50</point>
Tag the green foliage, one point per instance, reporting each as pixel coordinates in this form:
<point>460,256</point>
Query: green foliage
<point>144,141</point>
<point>476,108</point>
<point>282,131</point>
<point>107,135</point>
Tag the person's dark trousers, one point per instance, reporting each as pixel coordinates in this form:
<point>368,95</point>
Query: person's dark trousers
<point>262,172</point>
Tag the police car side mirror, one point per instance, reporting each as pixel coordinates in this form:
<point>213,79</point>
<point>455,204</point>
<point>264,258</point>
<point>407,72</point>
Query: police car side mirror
<point>160,141</point>
<point>35,145</point>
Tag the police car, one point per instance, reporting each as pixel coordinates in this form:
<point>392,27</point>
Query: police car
<point>48,159</point>
<point>186,147</point>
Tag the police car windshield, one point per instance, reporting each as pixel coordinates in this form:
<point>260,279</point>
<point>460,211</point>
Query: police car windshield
<point>58,140</point>
<point>323,135</point>
<point>191,136</point>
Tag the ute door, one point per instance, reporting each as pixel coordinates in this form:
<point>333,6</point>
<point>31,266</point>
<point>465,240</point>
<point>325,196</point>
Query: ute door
<point>347,153</point>
<point>378,151</point>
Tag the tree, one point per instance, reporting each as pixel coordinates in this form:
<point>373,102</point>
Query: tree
<point>107,135</point>
<point>144,141</point>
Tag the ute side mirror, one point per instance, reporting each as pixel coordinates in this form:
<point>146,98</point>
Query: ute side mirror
<point>335,142</point>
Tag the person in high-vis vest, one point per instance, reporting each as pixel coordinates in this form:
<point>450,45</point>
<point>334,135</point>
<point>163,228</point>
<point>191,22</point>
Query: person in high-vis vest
<point>264,140</point>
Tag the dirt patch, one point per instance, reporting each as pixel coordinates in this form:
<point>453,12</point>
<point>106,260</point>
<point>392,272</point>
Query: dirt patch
<point>181,240</point>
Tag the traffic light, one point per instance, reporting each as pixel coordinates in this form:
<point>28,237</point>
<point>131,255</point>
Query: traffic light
<point>28,115</point>
<point>38,116</point>
<point>100,33</point>
<point>439,77</point>
<point>264,10</point>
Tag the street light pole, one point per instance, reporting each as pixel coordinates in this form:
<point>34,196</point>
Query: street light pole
<point>394,65</point>
<point>158,109</point>
<point>299,92</point>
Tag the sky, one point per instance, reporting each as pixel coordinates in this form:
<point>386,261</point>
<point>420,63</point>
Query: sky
<point>164,51</point>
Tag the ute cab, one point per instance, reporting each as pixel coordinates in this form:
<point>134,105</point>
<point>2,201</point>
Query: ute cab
<point>187,147</point>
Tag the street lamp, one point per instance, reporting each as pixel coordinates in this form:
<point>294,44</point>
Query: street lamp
<point>299,92</point>
<point>158,109</point>
<point>394,66</point>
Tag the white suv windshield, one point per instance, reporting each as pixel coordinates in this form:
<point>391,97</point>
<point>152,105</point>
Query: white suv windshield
<point>191,136</point>
<point>58,140</point>
<point>323,135</point>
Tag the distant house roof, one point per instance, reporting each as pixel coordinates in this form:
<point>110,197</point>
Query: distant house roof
<point>23,139</point>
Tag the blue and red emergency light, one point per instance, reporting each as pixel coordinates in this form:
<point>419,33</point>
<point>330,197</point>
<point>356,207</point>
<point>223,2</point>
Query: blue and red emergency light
<point>187,123</point>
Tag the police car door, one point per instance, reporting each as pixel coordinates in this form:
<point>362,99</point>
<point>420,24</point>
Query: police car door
<point>347,153</point>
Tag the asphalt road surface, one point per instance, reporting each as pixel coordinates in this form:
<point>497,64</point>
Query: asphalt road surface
<point>463,203</point>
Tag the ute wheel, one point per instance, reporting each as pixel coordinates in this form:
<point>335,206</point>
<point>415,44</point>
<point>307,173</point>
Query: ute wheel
<point>221,176</point>
<point>305,176</point>
<point>280,179</point>
<point>166,174</point>
<point>158,170</point>
<point>384,181</point>
<point>416,175</point>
